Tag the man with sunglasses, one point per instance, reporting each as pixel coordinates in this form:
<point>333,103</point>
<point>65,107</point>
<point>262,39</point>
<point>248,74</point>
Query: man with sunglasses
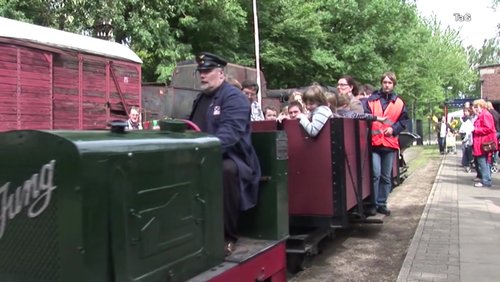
<point>224,111</point>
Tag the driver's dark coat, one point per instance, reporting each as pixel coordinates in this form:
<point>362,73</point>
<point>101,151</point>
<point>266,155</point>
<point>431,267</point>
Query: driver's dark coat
<point>228,118</point>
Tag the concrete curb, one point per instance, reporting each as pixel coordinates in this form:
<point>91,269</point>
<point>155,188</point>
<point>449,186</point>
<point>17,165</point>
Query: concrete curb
<point>415,241</point>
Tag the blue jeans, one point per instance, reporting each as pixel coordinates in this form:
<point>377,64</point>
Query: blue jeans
<point>442,144</point>
<point>466,156</point>
<point>382,176</point>
<point>484,168</point>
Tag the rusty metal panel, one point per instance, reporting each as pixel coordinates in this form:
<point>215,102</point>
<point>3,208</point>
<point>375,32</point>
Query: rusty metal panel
<point>185,85</point>
<point>154,101</point>
<point>185,75</point>
<point>310,178</point>
<point>351,161</point>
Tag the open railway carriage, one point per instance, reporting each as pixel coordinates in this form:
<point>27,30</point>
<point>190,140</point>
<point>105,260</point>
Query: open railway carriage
<point>329,175</point>
<point>329,180</point>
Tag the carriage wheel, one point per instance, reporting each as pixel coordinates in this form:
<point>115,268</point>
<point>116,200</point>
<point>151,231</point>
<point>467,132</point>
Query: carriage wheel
<point>295,262</point>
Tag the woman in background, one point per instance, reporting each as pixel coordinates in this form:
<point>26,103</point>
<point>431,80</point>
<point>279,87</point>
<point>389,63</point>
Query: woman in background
<point>484,131</point>
<point>347,86</point>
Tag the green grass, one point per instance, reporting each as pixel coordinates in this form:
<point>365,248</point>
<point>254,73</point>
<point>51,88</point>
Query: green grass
<point>424,154</point>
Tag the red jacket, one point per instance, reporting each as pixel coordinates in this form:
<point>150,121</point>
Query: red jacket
<point>484,131</point>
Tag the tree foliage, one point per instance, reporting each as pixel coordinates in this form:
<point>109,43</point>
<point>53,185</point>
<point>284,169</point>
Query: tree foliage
<point>300,41</point>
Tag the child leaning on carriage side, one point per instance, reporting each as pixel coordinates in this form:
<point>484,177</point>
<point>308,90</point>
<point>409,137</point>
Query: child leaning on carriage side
<point>323,105</point>
<point>339,104</point>
<point>316,103</point>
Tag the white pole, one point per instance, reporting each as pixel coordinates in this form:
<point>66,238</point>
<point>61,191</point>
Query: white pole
<point>257,51</point>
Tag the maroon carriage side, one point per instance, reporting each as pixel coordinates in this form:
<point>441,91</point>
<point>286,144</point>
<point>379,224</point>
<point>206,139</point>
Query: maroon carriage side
<point>329,181</point>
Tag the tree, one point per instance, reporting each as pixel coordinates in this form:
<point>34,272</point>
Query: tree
<point>161,32</point>
<point>291,37</point>
<point>301,41</point>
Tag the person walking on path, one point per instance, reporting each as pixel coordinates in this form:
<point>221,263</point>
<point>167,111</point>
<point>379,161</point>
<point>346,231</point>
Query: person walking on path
<point>442,129</point>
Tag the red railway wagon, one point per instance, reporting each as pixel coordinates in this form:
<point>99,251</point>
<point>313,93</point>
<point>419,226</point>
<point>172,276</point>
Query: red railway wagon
<point>52,79</point>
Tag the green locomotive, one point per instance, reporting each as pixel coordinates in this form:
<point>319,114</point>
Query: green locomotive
<point>123,206</point>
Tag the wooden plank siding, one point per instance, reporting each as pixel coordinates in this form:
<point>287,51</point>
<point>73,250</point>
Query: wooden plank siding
<point>8,87</point>
<point>129,83</point>
<point>66,91</point>
<point>94,102</point>
<point>42,89</point>
<point>25,88</point>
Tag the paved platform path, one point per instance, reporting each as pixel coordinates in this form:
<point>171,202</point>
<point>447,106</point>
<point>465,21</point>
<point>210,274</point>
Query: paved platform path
<point>458,236</point>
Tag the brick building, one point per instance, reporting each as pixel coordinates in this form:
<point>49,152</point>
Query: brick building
<point>490,82</point>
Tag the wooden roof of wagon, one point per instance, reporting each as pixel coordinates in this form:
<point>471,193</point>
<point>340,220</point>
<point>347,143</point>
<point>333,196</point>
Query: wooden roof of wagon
<point>25,32</point>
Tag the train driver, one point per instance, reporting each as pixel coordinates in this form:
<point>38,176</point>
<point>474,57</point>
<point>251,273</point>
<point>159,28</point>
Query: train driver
<point>222,110</point>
